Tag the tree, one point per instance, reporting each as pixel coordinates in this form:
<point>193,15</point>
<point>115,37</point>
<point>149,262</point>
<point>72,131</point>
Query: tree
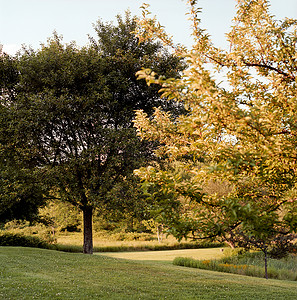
<point>76,107</point>
<point>239,130</point>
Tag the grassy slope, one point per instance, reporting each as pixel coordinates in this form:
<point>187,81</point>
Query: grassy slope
<point>27,273</point>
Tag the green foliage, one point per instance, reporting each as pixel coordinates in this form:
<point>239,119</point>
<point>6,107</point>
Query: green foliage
<point>19,188</point>
<point>20,185</point>
<point>10,239</point>
<point>125,54</point>
<point>34,229</point>
<point>124,207</point>
<point>61,216</point>
<point>131,236</point>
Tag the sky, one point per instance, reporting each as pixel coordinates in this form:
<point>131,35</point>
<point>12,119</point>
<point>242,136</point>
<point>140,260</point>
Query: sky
<point>32,22</point>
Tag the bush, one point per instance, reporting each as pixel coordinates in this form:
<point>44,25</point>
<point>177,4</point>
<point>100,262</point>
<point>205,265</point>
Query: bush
<point>132,236</point>
<point>15,239</point>
<point>234,252</point>
<point>24,228</point>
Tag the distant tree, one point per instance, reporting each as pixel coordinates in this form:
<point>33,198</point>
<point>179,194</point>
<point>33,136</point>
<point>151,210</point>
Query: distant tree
<point>76,107</point>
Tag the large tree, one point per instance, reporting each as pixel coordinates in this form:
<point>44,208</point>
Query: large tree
<point>76,106</point>
<point>231,160</point>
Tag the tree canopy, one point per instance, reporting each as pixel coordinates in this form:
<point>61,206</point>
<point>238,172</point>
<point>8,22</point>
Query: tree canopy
<point>19,186</point>
<point>75,107</point>
<point>231,159</point>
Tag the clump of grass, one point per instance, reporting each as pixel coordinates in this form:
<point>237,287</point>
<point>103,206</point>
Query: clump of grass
<point>250,264</point>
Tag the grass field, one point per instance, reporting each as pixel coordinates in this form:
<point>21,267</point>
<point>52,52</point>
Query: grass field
<point>168,255</point>
<point>28,273</point>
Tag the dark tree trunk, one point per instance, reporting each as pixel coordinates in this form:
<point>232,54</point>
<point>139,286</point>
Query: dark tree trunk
<point>265,253</point>
<point>88,229</point>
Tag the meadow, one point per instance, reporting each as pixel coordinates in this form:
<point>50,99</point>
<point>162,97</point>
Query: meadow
<point>30,273</point>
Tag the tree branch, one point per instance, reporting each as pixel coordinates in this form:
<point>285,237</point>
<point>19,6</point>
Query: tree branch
<point>264,66</point>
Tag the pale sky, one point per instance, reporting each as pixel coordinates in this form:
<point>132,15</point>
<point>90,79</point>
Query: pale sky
<point>31,22</point>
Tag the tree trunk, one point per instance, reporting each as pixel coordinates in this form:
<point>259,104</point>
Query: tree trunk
<point>160,233</point>
<point>88,229</point>
<point>266,273</point>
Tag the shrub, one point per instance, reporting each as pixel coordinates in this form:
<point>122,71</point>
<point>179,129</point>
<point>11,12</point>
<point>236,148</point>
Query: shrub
<point>132,236</point>
<point>15,239</point>
<point>24,228</point>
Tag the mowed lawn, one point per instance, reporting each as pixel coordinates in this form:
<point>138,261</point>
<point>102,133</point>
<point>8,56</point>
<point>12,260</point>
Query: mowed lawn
<point>27,273</point>
<point>168,255</point>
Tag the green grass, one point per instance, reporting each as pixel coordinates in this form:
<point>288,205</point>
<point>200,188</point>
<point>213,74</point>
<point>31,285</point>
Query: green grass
<point>27,273</point>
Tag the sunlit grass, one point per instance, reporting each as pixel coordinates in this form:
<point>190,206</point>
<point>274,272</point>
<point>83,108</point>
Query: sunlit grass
<point>27,273</point>
<point>100,240</point>
<point>169,255</point>
<point>72,242</point>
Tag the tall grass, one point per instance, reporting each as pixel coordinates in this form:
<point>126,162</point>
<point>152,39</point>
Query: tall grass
<point>250,264</point>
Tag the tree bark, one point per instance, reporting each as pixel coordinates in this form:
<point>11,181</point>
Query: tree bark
<point>88,229</point>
